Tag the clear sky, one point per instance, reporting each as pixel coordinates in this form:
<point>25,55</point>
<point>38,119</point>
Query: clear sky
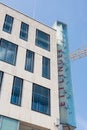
<point>74,14</point>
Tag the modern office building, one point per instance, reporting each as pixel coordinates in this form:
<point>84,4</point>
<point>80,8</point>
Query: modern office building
<point>35,81</point>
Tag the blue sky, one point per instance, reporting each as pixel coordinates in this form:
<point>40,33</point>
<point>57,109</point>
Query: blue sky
<point>74,14</point>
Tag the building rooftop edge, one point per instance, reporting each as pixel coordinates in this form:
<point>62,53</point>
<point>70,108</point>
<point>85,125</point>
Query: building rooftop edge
<point>28,16</point>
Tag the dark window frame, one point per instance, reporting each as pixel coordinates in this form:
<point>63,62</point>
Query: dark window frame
<point>41,99</point>
<point>29,62</point>
<point>24,29</point>
<point>46,67</point>
<point>1,78</point>
<point>42,40</point>
<point>15,95</point>
<point>8,23</point>
<point>8,49</point>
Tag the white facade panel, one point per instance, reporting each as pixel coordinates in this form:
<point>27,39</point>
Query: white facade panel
<point>24,113</point>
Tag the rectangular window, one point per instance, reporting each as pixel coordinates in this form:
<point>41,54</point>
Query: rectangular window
<point>24,31</point>
<point>29,65</point>
<point>8,51</point>
<point>8,123</point>
<point>43,40</point>
<point>41,99</point>
<point>7,27</point>
<point>17,91</point>
<point>1,77</point>
<point>46,67</point>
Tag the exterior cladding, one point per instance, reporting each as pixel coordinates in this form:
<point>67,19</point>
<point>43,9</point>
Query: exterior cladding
<point>66,103</point>
<point>23,117</point>
<point>56,84</point>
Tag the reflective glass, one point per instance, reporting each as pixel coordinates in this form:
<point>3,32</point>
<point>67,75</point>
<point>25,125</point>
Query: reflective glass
<point>8,123</point>
<point>17,91</point>
<point>29,65</point>
<point>24,31</point>
<point>41,99</point>
<point>2,53</point>
<point>8,51</point>
<point>43,40</point>
<point>46,68</point>
<point>7,27</point>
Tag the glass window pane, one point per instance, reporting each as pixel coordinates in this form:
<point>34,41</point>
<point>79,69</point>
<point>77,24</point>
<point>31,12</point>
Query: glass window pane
<point>2,53</point>
<point>10,57</point>
<point>8,123</point>
<point>17,91</point>
<point>24,26</point>
<point>36,88</point>
<point>11,53</point>
<point>24,31</point>
<point>7,27</point>
<point>46,68</point>
<point>40,99</point>
<point>42,44</point>
<point>29,65</point>
<point>42,35</point>
<point>23,35</point>
<point>8,51</point>
<point>8,19</point>
<point>43,40</point>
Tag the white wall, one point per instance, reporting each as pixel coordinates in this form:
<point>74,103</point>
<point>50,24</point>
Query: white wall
<point>24,113</point>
